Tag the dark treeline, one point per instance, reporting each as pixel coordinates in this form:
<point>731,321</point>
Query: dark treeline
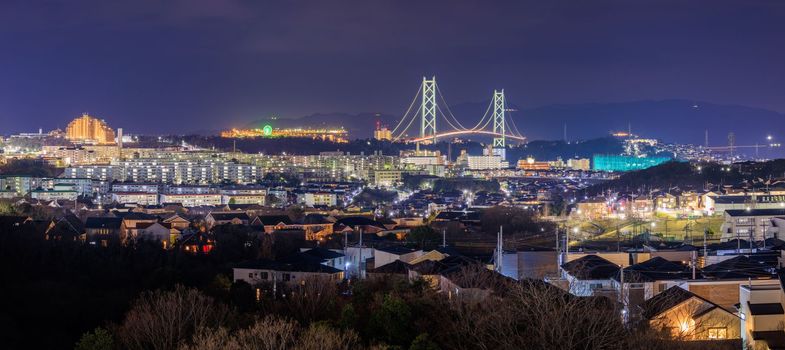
<point>55,291</point>
<point>29,167</point>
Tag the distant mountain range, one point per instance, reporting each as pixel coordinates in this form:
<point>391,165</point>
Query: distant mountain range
<point>681,121</point>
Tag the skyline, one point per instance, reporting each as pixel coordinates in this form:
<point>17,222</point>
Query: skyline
<point>149,67</point>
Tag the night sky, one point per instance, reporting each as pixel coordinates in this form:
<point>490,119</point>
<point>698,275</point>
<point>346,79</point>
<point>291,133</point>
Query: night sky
<point>184,65</point>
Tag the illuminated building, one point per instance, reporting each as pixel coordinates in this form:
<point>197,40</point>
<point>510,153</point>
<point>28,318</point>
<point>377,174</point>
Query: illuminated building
<point>531,164</point>
<point>332,135</point>
<point>486,162</point>
<point>169,171</point>
<point>243,195</point>
<point>141,198</point>
<point>87,129</point>
<point>191,199</point>
<point>320,199</point>
<point>382,132</point>
<point>579,164</point>
<point>602,162</point>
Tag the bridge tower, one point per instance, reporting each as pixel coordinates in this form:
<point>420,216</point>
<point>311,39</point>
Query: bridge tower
<point>499,107</point>
<point>428,108</point>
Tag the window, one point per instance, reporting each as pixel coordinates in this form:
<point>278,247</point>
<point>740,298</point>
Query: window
<point>250,275</point>
<point>718,333</point>
<point>286,277</point>
<point>264,275</point>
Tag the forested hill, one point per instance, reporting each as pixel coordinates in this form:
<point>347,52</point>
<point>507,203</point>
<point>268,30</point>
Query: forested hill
<point>696,176</point>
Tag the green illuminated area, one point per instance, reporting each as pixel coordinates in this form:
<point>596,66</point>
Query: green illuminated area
<point>604,162</point>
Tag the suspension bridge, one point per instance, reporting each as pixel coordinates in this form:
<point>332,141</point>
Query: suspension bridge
<point>495,122</point>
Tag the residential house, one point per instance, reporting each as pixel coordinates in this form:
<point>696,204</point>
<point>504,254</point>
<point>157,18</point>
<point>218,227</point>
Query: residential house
<point>220,218</point>
<point>326,257</point>
<point>642,281</point>
<point>104,231</point>
<point>592,208</point>
<point>589,275</point>
<point>196,242</point>
<point>177,221</point>
<point>316,227</point>
<point>295,271</point>
<point>134,221</point>
<point>761,310</point>
<point>66,228</point>
<point>687,316</point>
<point>388,254</point>
<point>157,232</point>
<point>755,224</point>
<point>395,270</point>
<point>272,223</point>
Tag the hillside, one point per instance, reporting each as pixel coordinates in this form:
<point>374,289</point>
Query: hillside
<point>685,175</point>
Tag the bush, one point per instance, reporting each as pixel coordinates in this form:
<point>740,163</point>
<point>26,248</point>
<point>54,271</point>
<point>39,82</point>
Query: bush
<point>98,339</point>
<point>164,320</point>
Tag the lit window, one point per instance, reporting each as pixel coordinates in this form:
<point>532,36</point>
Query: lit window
<point>718,333</point>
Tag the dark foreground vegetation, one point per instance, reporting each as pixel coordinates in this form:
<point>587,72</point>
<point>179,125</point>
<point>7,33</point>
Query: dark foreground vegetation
<point>61,295</point>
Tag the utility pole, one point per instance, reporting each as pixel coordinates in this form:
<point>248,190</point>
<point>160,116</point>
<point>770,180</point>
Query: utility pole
<point>705,247</point>
<point>558,248</point>
<point>499,249</point>
<point>444,238</point>
<point>360,266</point>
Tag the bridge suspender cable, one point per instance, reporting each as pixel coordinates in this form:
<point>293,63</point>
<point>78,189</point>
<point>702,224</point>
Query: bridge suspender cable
<point>407,113</point>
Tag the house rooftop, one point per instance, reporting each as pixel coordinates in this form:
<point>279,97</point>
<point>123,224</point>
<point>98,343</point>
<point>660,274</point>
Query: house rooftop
<point>755,212</point>
<point>765,309</point>
<point>591,267</point>
<point>666,300</point>
<point>396,267</point>
<point>295,265</point>
<point>103,222</point>
<point>656,269</point>
<point>738,267</point>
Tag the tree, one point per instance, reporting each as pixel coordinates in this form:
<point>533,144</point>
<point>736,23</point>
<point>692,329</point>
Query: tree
<point>320,336</point>
<point>348,317</point>
<point>312,299</point>
<point>271,200</point>
<point>514,220</point>
<point>392,322</point>
<point>98,339</point>
<point>423,342</point>
<point>166,319</point>
<point>424,236</point>
<point>242,296</point>
<point>269,333</point>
